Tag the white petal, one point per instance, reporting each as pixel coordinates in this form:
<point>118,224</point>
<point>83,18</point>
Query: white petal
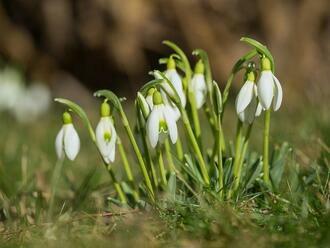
<point>171,124</point>
<point>153,126</point>
<point>107,148</point>
<point>266,89</point>
<point>278,94</point>
<point>199,89</point>
<point>71,141</point>
<point>59,144</point>
<point>112,143</point>
<point>244,96</point>
<point>176,81</point>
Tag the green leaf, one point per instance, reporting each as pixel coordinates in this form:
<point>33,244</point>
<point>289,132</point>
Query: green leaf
<point>278,164</point>
<point>261,49</point>
<point>80,112</point>
<point>252,173</point>
<point>182,55</point>
<point>171,187</point>
<point>228,177</point>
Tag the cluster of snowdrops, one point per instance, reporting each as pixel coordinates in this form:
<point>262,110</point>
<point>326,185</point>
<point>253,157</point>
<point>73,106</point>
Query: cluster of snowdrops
<point>181,96</point>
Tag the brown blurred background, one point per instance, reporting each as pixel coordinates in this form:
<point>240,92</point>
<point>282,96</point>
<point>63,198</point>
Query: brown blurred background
<point>114,43</point>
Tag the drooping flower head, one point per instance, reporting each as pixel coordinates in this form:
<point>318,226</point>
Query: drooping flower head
<point>161,122</point>
<point>106,135</point>
<point>269,87</point>
<point>175,80</point>
<point>67,141</point>
<point>197,85</point>
<point>246,103</point>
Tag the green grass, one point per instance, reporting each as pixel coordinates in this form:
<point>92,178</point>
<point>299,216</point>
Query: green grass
<point>296,215</point>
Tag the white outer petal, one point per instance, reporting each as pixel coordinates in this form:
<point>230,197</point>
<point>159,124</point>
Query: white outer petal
<point>244,96</point>
<point>71,141</point>
<point>59,144</point>
<point>176,81</point>
<point>153,126</point>
<point>112,143</point>
<point>171,123</point>
<point>266,89</point>
<point>278,94</point>
<point>107,149</point>
<point>199,89</point>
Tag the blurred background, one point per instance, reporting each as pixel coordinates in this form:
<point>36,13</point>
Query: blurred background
<point>111,44</point>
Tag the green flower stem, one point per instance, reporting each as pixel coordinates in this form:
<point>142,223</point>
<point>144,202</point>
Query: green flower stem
<point>195,118</point>
<point>138,154</point>
<point>161,166</point>
<point>220,165</point>
<point>118,188</point>
<point>55,177</point>
<point>169,155</point>
<point>238,146</point>
<point>143,136</point>
<point>179,149</point>
<point>266,148</point>
<point>128,170</point>
<point>195,147</point>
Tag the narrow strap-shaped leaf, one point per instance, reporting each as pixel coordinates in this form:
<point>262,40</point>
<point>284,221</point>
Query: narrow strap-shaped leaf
<point>80,112</point>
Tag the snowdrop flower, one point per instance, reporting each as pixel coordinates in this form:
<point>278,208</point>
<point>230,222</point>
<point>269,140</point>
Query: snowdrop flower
<point>106,135</point>
<point>149,97</point>
<point>198,85</point>
<point>161,122</point>
<point>67,141</point>
<point>247,106</point>
<point>175,80</point>
<point>269,88</point>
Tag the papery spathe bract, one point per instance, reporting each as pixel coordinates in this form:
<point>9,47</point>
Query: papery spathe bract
<point>106,137</point>
<point>161,122</point>
<point>269,87</point>
<point>67,141</point>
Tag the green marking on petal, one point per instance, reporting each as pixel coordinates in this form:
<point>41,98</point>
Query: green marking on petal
<point>107,136</point>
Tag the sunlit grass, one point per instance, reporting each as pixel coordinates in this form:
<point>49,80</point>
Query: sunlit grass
<point>85,218</point>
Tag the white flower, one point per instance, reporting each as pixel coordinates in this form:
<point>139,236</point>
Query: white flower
<point>199,89</point>
<point>269,88</point>
<point>246,102</point>
<point>67,142</point>
<point>106,137</point>
<point>161,122</point>
<point>176,81</point>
